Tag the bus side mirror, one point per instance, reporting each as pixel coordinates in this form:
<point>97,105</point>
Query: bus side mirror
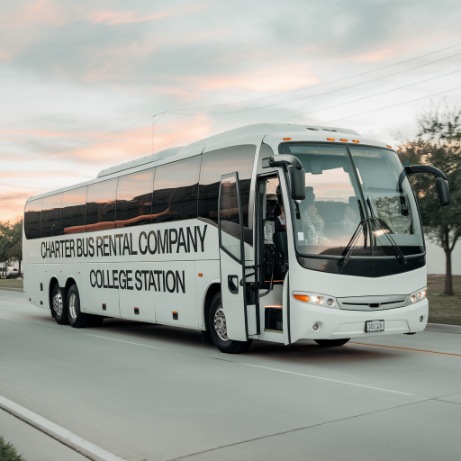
<point>441,180</point>
<point>442,191</point>
<point>298,191</point>
<point>295,171</point>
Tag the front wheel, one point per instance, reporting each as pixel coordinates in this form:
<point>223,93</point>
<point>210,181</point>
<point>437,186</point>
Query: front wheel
<point>218,330</point>
<point>331,342</point>
<point>77,319</point>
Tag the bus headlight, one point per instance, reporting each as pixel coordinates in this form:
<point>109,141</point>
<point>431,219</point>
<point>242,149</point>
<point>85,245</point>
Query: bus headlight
<point>316,299</point>
<point>418,295</point>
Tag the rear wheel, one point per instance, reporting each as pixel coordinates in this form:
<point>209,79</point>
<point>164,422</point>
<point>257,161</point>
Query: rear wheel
<point>218,330</point>
<point>58,306</point>
<point>332,342</point>
<point>77,319</point>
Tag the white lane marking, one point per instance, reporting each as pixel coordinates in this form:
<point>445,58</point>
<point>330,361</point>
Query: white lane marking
<point>59,433</point>
<point>305,375</point>
<point>279,370</point>
<point>126,342</point>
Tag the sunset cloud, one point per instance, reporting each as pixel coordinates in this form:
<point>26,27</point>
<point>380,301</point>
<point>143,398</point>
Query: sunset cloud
<point>86,85</point>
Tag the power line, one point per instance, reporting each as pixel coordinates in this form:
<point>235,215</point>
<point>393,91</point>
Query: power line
<point>331,82</point>
<point>262,98</point>
<point>21,187</point>
<point>325,93</point>
<point>88,141</point>
<point>373,95</point>
<point>393,105</point>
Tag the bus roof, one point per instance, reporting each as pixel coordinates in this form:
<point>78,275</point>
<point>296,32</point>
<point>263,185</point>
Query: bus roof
<point>267,131</point>
<point>260,129</point>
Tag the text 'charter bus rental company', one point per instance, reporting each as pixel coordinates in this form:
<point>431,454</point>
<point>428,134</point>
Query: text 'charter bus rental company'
<point>267,232</point>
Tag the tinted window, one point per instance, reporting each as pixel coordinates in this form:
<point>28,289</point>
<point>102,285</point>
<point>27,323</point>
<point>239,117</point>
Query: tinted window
<point>100,205</point>
<point>32,219</point>
<point>175,190</point>
<point>50,221</point>
<point>219,162</point>
<point>134,199</point>
<point>73,210</point>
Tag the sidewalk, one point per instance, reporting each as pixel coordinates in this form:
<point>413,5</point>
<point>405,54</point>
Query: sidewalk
<point>32,444</point>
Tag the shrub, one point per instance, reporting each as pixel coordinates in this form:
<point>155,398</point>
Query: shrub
<point>8,452</point>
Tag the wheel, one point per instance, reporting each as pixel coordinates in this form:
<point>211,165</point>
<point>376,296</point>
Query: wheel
<point>76,318</point>
<point>58,307</point>
<point>218,330</point>
<point>331,342</point>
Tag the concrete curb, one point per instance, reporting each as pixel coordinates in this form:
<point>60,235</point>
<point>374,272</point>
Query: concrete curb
<point>62,435</point>
<point>442,328</point>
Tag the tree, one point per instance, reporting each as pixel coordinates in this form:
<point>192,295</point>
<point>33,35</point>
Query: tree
<point>438,143</point>
<point>11,242</point>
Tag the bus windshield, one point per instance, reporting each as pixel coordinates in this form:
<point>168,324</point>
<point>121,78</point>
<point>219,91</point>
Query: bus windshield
<point>358,203</point>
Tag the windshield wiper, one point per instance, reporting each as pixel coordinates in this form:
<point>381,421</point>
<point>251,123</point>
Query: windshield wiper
<point>346,254</point>
<point>384,229</point>
<point>361,227</point>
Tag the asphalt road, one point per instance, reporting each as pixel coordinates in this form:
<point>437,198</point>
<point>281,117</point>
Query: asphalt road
<point>145,392</point>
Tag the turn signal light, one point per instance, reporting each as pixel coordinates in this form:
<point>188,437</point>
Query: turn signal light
<point>301,297</point>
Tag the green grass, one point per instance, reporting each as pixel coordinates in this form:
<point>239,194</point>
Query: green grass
<point>443,309</point>
<point>10,283</point>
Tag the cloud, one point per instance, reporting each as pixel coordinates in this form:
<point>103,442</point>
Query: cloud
<point>12,204</point>
<point>74,73</point>
<point>116,18</point>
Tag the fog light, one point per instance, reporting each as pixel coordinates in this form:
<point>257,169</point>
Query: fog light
<point>421,319</point>
<point>316,326</point>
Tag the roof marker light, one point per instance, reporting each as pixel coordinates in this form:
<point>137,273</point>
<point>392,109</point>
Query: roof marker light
<point>331,139</point>
<point>286,139</point>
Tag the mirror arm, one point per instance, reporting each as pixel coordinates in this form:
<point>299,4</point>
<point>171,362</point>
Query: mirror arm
<point>426,169</point>
<point>285,161</point>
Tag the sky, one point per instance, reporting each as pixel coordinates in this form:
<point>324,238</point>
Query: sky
<point>86,85</point>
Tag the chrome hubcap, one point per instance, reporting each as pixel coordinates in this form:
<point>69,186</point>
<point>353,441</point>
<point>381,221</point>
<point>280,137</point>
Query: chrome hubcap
<point>73,306</point>
<point>220,324</point>
<point>57,303</point>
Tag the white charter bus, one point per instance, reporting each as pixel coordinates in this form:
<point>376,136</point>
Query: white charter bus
<point>270,232</point>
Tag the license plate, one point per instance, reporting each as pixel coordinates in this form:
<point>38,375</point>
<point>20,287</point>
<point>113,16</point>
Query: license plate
<point>374,326</point>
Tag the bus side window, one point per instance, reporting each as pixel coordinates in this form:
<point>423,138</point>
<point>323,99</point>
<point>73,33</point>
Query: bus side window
<point>215,164</point>
<point>100,205</point>
<point>73,210</point>
<point>50,218</point>
<point>175,190</point>
<point>134,199</point>
<point>32,219</point>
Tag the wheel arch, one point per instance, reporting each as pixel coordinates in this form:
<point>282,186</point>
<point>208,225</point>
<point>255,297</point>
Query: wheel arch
<point>211,292</point>
<point>53,281</point>
<point>69,282</point>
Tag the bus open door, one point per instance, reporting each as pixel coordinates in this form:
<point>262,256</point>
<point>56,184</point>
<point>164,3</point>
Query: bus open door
<point>235,321</point>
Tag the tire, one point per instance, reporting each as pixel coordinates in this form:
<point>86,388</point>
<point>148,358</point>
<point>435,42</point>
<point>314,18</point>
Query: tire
<point>95,320</point>
<point>218,330</point>
<point>76,318</point>
<point>331,342</point>
<point>57,306</point>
